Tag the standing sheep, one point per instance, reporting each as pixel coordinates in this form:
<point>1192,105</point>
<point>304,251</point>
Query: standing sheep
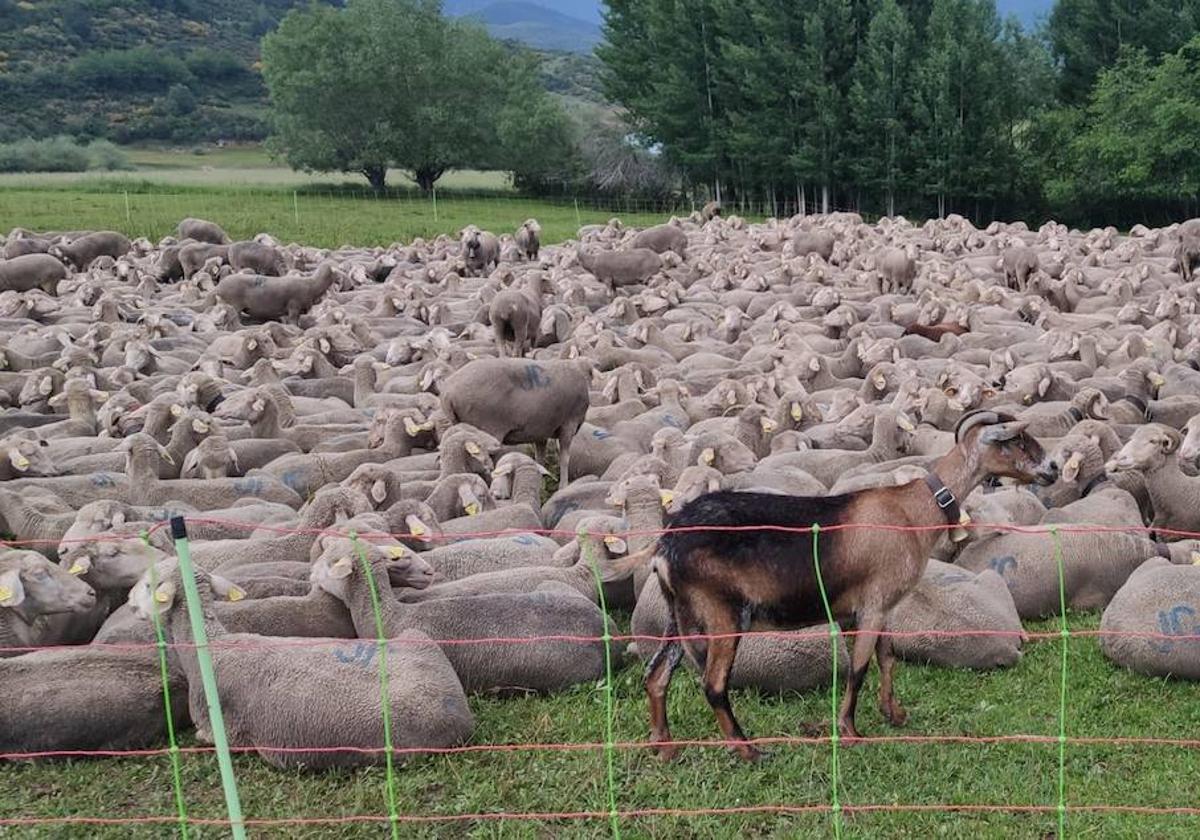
<point>479,251</point>
<point>528,241</point>
<point>516,315</point>
<point>202,231</point>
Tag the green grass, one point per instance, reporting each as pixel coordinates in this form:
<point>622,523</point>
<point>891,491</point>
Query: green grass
<point>322,218</point>
<point>1102,702</point>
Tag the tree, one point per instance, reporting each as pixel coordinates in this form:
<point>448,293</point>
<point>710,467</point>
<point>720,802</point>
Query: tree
<point>1086,36</point>
<point>388,83</point>
<point>880,100</point>
<point>179,101</point>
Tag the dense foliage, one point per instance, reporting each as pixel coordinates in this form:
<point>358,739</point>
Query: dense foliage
<point>60,154</point>
<point>393,83</point>
<point>916,106</point>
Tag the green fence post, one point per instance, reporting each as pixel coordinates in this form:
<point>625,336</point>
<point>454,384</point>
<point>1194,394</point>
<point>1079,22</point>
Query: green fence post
<point>216,720</point>
<point>834,735</point>
<point>609,745</point>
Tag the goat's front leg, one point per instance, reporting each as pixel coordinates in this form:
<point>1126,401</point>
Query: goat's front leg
<point>892,711</point>
<point>868,629</point>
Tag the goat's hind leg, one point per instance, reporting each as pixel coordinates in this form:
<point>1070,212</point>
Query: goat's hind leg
<point>724,623</point>
<point>658,679</point>
<point>893,712</point>
<point>869,626</point>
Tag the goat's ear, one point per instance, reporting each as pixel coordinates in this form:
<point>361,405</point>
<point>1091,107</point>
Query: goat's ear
<point>1001,432</point>
<point>12,593</point>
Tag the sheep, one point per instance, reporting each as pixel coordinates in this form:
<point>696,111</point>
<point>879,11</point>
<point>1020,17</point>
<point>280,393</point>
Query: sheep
<point>515,316</point>
<point>486,666</point>
<point>479,250</point>
<point>275,297</point>
<point>1158,601</point>
<point>201,231</point>
<point>31,271</point>
<point>80,252</point>
<point>660,239</point>
<point>518,401</point>
<point>527,239</point>
<point>32,589</point>
<point>1152,451</point>
<point>620,268</point>
<point>280,697</point>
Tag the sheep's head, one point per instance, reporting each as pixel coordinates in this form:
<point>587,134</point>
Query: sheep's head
<point>341,559</point>
<point>998,445</point>
<point>147,598</point>
<point>31,583</point>
<point>28,455</point>
<point>601,534</point>
<point>1079,459</point>
<point>111,564</point>
<point>1148,449</point>
<point>505,470</point>
<point>1189,450</point>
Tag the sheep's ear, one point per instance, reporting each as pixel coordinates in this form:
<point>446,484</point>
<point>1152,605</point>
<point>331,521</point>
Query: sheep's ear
<point>176,410</point>
<point>341,568</point>
<point>57,400</point>
<point>12,593</point>
<point>503,469</point>
<point>165,593</point>
<point>19,461</point>
<point>541,469</point>
<point>615,544</point>
<point>814,364</point>
<point>378,491</point>
<point>1168,443</point>
<point>46,386</point>
<point>258,405</point>
<point>226,589</point>
<point>473,448</point>
<point>252,344</point>
<point>1043,386</point>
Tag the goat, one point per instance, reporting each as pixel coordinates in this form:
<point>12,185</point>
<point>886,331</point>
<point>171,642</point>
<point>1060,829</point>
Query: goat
<point>717,583</point>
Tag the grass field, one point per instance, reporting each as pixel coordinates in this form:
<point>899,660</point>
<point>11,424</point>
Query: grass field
<point>244,191</point>
<point>1102,702</point>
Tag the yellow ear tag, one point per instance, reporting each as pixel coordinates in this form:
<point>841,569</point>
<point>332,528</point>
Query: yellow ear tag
<point>176,410</point>
<point>611,540</point>
<point>76,569</point>
<point>395,552</point>
<point>906,424</point>
<point>959,534</point>
<point>161,597</point>
<point>472,509</point>
<point>797,412</point>
<point>411,427</point>
<point>6,594</point>
<point>236,594</point>
<point>708,456</point>
<point>21,462</point>
<point>416,529</point>
<point>1195,559</point>
<point>473,447</point>
<point>667,497</point>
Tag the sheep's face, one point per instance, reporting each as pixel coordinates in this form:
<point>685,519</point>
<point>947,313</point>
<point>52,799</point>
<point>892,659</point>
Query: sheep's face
<point>1078,459</point>
<point>30,457</point>
<point>1148,449</point>
<point>34,584</point>
<point>1189,450</point>
<point>112,565</point>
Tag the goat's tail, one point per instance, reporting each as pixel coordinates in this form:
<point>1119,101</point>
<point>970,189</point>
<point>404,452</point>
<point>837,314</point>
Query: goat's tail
<point>626,566</point>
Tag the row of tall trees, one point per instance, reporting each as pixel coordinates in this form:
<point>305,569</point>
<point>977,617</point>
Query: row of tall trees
<point>915,106</point>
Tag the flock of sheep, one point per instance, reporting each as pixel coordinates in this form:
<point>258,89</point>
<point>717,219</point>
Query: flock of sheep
<point>283,397</point>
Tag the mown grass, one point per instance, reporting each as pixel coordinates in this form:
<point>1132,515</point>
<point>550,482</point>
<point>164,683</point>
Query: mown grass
<point>1102,702</point>
<point>322,218</point>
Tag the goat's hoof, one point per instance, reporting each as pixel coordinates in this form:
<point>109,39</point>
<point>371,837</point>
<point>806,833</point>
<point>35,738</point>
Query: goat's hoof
<point>847,732</point>
<point>751,754</point>
<point>666,752</point>
<point>896,715</point>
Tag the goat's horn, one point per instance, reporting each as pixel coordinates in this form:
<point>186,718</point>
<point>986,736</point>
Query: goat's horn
<point>973,419</point>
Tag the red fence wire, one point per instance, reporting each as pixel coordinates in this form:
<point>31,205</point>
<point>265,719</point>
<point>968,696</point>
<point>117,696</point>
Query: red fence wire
<point>837,808</point>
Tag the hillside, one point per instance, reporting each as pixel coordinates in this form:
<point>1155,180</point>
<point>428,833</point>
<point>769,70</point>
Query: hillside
<point>534,24</point>
<point>182,71</point>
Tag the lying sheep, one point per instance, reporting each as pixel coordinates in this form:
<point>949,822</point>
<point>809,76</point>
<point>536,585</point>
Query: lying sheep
<point>1151,625</point>
<point>32,271</point>
<point>296,705</point>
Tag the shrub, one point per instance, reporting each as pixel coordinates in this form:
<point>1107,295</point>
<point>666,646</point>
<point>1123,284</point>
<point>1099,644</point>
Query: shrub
<point>60,154</point>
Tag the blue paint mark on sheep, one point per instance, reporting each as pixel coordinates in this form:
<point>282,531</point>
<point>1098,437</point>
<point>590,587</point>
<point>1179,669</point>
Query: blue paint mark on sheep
<point>600,434</point>
<point>1001,565</point>
<point>535,377</point>
<point>362,655</point>
<point>102,480</point>
<point>674,422</point>
<point>1171,623</point>
<point>296,479</point>
<point>248,486</point>
<point>525,539</point>
<point>951,578</point>
<point>561,509</point>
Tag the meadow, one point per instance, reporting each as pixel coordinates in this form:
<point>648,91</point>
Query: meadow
<point>247,193</point>
<point>999,761</point>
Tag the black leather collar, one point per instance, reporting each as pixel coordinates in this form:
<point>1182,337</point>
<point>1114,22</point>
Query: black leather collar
<point>1093,484</point>
<point>212,406</point>
<point>1138,403</point>
<point>944,498</point>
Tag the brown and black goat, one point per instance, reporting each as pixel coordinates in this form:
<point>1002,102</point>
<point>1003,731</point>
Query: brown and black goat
<point>730,561</point>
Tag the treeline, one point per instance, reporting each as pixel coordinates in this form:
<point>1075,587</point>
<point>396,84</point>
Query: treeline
<point>921,107</point>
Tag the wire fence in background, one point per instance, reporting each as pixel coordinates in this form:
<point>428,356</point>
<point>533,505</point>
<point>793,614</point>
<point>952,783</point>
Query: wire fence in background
<point>808,798</point>
<point>335,217</point>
